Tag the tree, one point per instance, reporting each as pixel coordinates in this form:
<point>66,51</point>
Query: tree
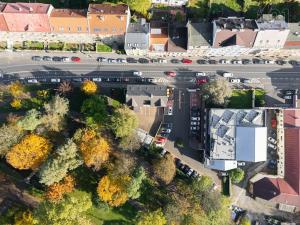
<point>16,103</point>
<point>139,6</point>
<point>29,153</point>
<point>217,91</point>
<point>123,122</point>
<point>113,190</point>
<point>236,175</point>
<point>16,89</point>
<point>9,136</point>
<point>94,109</point>
<point>30,121</point>
<point>25,218</point>
<point>89,87</point>
<point>152,218</point>
<point>56,191</point>
<point>165,169</point>
<point>134,187</point>
<point>95,150</point>
<point>123,164</point>
<point>56,168</point>
<point>130,143</point>
<point>204,184</point>
<point>245,221</point>
<point>55,110</point>
<point>65,87</point>
<point>69,211</point>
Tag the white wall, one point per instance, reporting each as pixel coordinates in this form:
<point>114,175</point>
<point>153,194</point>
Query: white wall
<point>270,38</point>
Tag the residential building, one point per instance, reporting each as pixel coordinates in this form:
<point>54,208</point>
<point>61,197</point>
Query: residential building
<point>283,191</point>
<point>293,39</point>
<point>139,96</point>
<point>177,37</point>
<point>168,15</point>
<point>170,2</point>
<point>159,37</point>
<point>272,32</point>
<point>199,37</point>
<point>68,21</point>
<point>25,17</point>
<point>137,38</point>
<point>235,135</point>
<point>108,21</point>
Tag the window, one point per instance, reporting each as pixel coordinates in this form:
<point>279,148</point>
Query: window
<point>129,44</point>
<point>267,41</point>
<point>52,28</point>
<point>147,102</point>
<point>61,28</point>
<point>96,30</point>
<point>78,29</point>
<point>69,28</point>
<point>278,41</point>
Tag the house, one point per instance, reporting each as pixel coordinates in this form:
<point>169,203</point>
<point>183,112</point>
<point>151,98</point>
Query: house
<point>170,2</point>
<point>284,191</point>
<point>199,36</point>
<point>25,17</point>
<point>137,38</point>
<point>177,36</point>
<point>272,32</point>
<point>159,36</point>
<point>108,21</point>
<point>293,39</point>
<point>139,96</point>
<point>235,135</point>
<point>68,21</point>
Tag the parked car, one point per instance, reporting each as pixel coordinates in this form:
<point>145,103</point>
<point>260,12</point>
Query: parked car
<point>110,60</point>
<point>212,61</point>
<point>195,128</point>
<point>235,80</point>
<point>57,59</point>
<point>258,61</point>
<point>132,60</point>
<point>162,60</point>
<point>143,60</point>
<point>120,60</point>
<point>202,61</point>
<point>246,61</point>
<point>241,163</point>
<point>200,74</point>
<point>75,59</point>
<point>163,152</point>
<point>189,172</point>
<point>224,61</point>
<point>159,144</point>
<point>175,61</point>
<point>280,62</point>
<point>137,73</point>
<point>195,123</point>
<point>236,61</point>
<point>170,111</point>
<point>195,174</point>
<point>222,173</point>
<point>66,59</point>
<point>165,130</point>
<point>272,146</point>
<point>47,58</point>
<point>161,139</point>
<point>294,62</point>
<point>288,97</point>
<point>272,140</point>
<point>171,73</point>
<point>101,59</point>
<point>36,58</point>
<point>186,61</point>
<point>55,80</point>
<point>166,125</point>
<point>201,81</point>
<point>96,79</point>
<point>268,61</point>
<point>195,118</point>
<point>226,74</point>
<point>77,79</point>
<point>32,81</point>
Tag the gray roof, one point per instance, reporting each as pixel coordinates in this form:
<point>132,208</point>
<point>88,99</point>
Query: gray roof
<point>146,90</point>
<point>139,27</point>
<point>199,34</point>
<point>235,23</point>
<point>294,34</point>
<point>137,35</point>
<point>268,22</point>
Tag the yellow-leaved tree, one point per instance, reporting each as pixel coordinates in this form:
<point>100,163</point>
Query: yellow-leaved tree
<point>113,190</point>
<point>89,87</point>
<point>25,218</point>
<point>16,89</point>
<point>16,103</point>
<point>95,149</point>
<point>56,191</point>
<point>29,153</point>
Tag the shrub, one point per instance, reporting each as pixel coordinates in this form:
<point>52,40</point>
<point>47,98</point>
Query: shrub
<point>103,48</point>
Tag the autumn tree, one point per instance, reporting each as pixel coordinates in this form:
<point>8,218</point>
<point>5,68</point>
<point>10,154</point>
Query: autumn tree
<point>29,153</point>
<point>149,218</point>
<point>123,122</point>
<point>69,211</point>
<point>24,218</point>
<point>65,87</point>
<point>89,87</point>
<point>95,149</point>
<point>130,142</point>
<point>30,121</point>
<point>9,136</point>
<point>17,90</point>
<point>136,182</point>
<point>65,159</point>
<point>165,168</point>
<point>140,6</point>
<point>113,190</point>
<point>55,110</point>
<point>16,103</point>
<point>56,191</point>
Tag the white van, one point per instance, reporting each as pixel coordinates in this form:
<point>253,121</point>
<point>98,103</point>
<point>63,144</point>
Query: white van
<point>227,74</point>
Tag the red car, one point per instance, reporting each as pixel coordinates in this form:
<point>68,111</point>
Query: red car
<point>201,81</point>
<point>161,139</point>
<point>186,61</point>
<point>171,73</point>
<point>75,59</point>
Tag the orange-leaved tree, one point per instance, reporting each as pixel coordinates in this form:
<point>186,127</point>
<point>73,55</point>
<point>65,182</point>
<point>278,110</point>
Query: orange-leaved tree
<point>16,89</point>
<point>56,191</point>
<point>29,153</point>
<point>95,149</point>
<point>113,190</point>
<point>89,87</point>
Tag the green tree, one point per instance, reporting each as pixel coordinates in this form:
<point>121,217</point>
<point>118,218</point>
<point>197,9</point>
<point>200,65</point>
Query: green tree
<point>204,184</point>
<point>139,6</point>
<point>9,136</point>
<point>236,175</point>
<point>69,211</point>
<point>165,169</point>
<point>123,122</point>
<point>130,143</point>
<point>30,121</point>
<point>134,187</point>
<point>152,218</point>
<point>56,168</point>
<point>95,110</point>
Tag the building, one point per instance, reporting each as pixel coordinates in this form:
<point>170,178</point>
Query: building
<point>137,38</point>
<point>68,21</point>
<point>272,32</point>
<point>199,37</point>
<point>108,21</point>
<point>293,39</point>
<point>236,135</point>
<point>159,37</point>
<point>284,191</point>
<point>139,96</point>
<point>170,2</point>
<point>177,37</point>
<point>233,35</point>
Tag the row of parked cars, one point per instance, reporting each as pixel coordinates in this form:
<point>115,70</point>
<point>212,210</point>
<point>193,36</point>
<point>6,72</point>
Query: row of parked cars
<point>56,58</point>
<point>142,60</point>
<point>163,134</point>
<point>248,61</point>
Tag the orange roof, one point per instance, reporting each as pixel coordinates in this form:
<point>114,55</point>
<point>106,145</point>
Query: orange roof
<point>68,13</point>
<point>292,117</point>
<point>3,25</point>
<point>20,7</point>
<point>108,8</point>
<point>158,39</point>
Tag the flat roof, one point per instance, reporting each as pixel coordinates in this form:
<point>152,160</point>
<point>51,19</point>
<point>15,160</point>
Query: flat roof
<point>294,34</point>
<point>269,22</point>
<point>199,34</point>
<point>235,23</point>
<point>222,165</point>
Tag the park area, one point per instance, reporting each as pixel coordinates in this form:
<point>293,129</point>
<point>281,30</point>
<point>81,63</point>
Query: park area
<point>242,99</point>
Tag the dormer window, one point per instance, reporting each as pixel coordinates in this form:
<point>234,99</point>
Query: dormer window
<point>101,18</point>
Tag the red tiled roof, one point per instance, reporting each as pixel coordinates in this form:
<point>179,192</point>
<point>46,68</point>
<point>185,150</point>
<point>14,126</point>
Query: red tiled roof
<point>21,7</point>
<point>68,13</point>
<point>108,8</point>
<point>3,25</point>
<point>292,43</point>
<point>292,117</point>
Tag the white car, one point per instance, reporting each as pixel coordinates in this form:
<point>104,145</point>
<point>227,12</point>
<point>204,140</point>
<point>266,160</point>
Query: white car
<point>97,79</point>
<point>170,111</point>
<point>269,61</point>
<point>235,81</point>
<point>225,61</point>
<point>137,73</point>
<point>237,61</point>
<point>241,163</point>
<point>200,74</point>
<point>195,123</point>
<point>55,80</point>
<point>163,152</point>
<point>272,140</point>
<point>189,172</point>
<point>227,74</point>
<point>272,146</point>
<point>32,81</point>
<point>288,97</point>
<point>66,59</point>
<point>165,130</point>
<point>162,61</point>
<point>195,118</point>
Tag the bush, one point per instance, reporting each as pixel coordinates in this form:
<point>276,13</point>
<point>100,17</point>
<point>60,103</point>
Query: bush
<point>56,46</point>
<point>236,175</point>
<point>179,143</point>
<point>103,48</point>
<point>18,46</point>
<point>89,47</point>
<point>33,45</point>
<point>3,45</point>
<point>71,47</point>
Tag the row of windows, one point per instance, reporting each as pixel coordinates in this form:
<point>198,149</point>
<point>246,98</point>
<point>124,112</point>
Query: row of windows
<point>113,30</point>
<point>79,29</point>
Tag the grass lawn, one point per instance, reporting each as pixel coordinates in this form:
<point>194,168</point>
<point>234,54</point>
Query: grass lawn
<point>260,97</point>
<point>103,48</point>
<point>240,99</point>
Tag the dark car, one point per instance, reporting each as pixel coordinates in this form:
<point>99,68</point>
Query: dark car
<point>36,58</point>
<point>132,60</point>
<point>294,62</point>
<point>280,62</point>
<point>47,58</point>
<point>175,61</point>
<point>290,92</point>
<point>246,61</point>
<point>258,61</point>
<point>202,61</point>
<point>212,61</point>
<point>57,59</point>
<point>154,60</point>
<point>143,60</point>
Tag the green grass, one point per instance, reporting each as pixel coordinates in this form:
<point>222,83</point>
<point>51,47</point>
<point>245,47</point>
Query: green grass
<point>103,48</point>
<point>260,97</point>
<point>240,99</point>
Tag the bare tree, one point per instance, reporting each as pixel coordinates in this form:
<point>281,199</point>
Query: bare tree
<point>65,87</point>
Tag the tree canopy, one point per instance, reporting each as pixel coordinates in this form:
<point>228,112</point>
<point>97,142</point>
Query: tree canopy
<point>30,121</point>
<point>135,185</point>
<point>56,191</point>
<point>9,136</point>
<point>139,6</point>
<point>236,175</point>
<point>89,87</point>
<point>150,218</point>
<point>165,168</point>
